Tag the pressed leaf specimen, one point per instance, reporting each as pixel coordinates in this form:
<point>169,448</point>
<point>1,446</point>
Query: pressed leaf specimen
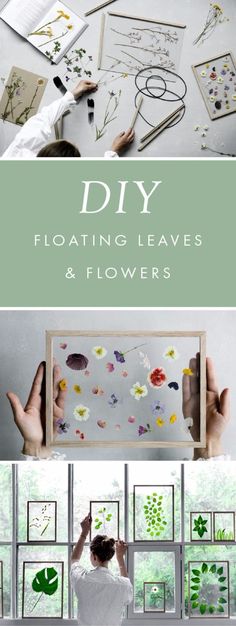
<point>208,589</point>
<point>110,113</point>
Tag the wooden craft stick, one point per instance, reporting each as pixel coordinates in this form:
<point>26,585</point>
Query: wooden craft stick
<point>99,6</point>
<point>148,19</point>
<point>157,131</point>
<point>164,121</point>
<point>61,126</point>
<point>57,134</point>
<point>138,107</point>
<point>101,41</point>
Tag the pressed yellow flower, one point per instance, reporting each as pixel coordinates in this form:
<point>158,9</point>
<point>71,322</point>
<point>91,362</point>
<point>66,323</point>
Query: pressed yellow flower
<point>77,389</point>
<point>160,422</point>
<point>99,352</point>
<point>217,7</point>
<point>63,384</point>
<point>138,391</point>
<point>187,371</point>
<point>171,353</point>
<point>81,413</point>
<point>70,26</point>
<point>173,418</point>
<point>63,14</point>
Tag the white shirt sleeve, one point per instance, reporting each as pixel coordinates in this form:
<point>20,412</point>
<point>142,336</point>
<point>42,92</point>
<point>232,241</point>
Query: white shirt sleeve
<point>109,154</point>
<point>128,589</point>
<point>36,133</point>
<point>76,572</point>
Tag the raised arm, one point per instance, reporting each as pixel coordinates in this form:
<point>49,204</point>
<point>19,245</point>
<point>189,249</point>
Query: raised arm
<point>121,549</point>
<point>85,529</point>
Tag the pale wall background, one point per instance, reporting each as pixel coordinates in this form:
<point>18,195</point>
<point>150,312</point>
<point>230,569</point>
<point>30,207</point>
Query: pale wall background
<point>179,141</point>
<point>22,347</point>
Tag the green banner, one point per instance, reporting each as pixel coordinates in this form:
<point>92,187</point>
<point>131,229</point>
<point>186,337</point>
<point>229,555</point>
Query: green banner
<point>117,233</point>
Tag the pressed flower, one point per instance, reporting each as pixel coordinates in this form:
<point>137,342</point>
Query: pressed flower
<point>187,371</point>
<point>158,408</point>
<point>142,430</point>
<point>70,26</point>
<point>155,589</point>
<point>63,14</point>
<point>77,361</point>
<point>160,422</point>
<point>63,346</point>
<point>173,418</point>
<point>62,426</point>
<point>138,391</point>
<point>117,426</point>
<point>173,385</point>
<point>101,423</point>
<point>81,413</point>
<point>77,389</point>
<point>144,360</point>
<point>131,419</point>
<point>124,373</point>
<point>171,353</point>
<point>97,391</point>
<point>99,352</point>
<point>113,400</point>
<point>120,356</point>
<point>110,367</point>
<point>87,373</point>
<point>63,384</point>
<point>157,377</point>
<point>82,436</point>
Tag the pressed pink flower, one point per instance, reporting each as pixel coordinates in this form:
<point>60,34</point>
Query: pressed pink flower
<point>124,374</point>
<point>110,367</point>
<point>97,391</point>
<point>131,419</point>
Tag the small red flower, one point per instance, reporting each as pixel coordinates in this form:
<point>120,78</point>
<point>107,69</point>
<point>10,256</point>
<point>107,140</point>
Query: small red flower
<point>81,436</point>
<point>157,377</point>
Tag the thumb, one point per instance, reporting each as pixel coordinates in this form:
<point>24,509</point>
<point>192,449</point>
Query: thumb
<point>16,405</point>
<point>122,134</point>
<point>225,403</point>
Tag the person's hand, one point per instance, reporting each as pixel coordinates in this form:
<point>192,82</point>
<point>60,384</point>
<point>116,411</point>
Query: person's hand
<point>84,86</point>
<point>31,420</point>
<point>123,141</point>
<point>217,408</point>
<point>86,525</point>
<point>121,549</point>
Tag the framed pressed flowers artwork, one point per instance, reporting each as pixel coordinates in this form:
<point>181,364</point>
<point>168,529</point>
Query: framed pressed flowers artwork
<point>216,79</point>
<point>138,389</point>
<point>41,521</point>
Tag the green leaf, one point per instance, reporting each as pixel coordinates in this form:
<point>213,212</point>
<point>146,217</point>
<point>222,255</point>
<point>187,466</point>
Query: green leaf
<point>220,571</point>
<point>220,609</point>
<point>195,587</point>
<point>223,588</point>
<point>194,596</point>
<point>46,581</point>
<point>195,580</point>
<point>213,569</point>
<point>222,601</point>
<point>204,568</point>
<point>195,605</point>
<point>211,609</point>
<point>222,579</point>
<point>203,608</point>
<point>196,572</point>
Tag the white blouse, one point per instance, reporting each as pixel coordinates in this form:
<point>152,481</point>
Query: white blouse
<point>101,595</point>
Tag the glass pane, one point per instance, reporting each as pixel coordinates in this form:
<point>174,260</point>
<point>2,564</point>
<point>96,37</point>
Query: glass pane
<point>5,503</point>
<point>5,557</point>
<point>214,554</point>
<point>43,481</point>
<point>208,491</point>
<point>153,567</point>
<point>124,388</point>
<point>86,563</point>
<point>42,555</point>
<point>97,481</point>
<point>155,473</point>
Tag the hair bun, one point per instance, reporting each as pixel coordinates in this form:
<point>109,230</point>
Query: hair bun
<point>109,540</point>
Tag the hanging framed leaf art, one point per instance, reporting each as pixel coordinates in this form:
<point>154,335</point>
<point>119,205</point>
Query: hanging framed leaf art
<point>224,526</point>
<point>201,527</point>
<point>132,42</point>
<point>216,79</point>
<point>41,521</point>
<point>43,587</point>
<point>1,589</point>
<point>153,512</point>
<point>105,516</point>
<point>154,597</point>
<point>208,589</point>
<point>138,389</point>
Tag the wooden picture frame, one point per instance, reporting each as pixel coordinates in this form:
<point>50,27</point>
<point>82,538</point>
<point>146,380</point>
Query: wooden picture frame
<point>223,537</point>
<point>43,521</point>
<point>193,536</point>
<point>221,571</point>
<point>155,535</point>
<point>202,80</point>
<point>40,564</point>
<point>127,67</point>
<point>101,530</point>
<point>1,591</point>
<point>154,584</point>
<point>154,440</point>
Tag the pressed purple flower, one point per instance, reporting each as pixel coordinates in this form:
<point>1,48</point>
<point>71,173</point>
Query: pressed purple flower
<point>119,356</point>
<point>61,426</point>
<point>77,361</point>
<point>173,385</point>
<point>142,430</point>
<point>158,408</point>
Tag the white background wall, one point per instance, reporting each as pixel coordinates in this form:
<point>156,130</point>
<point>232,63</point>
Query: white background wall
<point>22,347</point>
<point>179,141</point>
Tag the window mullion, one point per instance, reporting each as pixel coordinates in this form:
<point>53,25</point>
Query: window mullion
<point>14,555</point>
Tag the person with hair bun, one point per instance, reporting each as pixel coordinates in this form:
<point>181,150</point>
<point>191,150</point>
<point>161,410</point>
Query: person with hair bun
<point>101,595</point>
